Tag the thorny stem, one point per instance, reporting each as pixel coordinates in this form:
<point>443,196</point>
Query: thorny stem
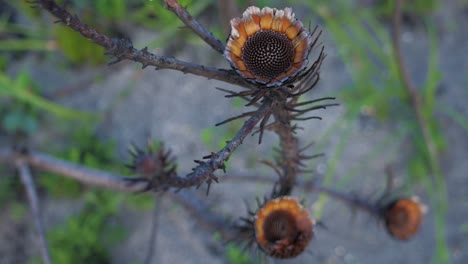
<point>120,183</point>
<point>202,173</point>
<point>122,49</point>
<point>289,160</point>
<point>193,24</point>
<point>350,199</point>
<point>217,160</point>
<point>72,170</point>
<point>28,183</point>
<point>114,182</point>
<point>110,181</point>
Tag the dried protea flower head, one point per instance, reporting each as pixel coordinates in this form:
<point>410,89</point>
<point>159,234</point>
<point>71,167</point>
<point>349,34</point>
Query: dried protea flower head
<point>403,217</point>
<point>283,227</point>
<point>157,167</point>
<point>268,46</point>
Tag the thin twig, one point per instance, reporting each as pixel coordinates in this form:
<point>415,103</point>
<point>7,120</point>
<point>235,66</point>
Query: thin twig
<point>81,173</point>
<point>204,172</point>
<point>154,230</point>
<point>122,49</point>
<point>349,199</point>
<point>217,160</point>
<point>414,96</point>
<point>28,183</point>
<point>118,183</point>
<point>416,101</point>
<point>193,24</point>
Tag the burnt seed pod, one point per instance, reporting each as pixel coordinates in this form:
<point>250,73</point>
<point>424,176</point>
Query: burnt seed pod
<point>403,217</point>
<point>157,167</point>
<point>268,46</point>
<point>283,227</point>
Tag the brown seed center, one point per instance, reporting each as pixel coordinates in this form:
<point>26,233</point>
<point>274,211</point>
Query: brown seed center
<point>280,225</point>
<point>268,53</point>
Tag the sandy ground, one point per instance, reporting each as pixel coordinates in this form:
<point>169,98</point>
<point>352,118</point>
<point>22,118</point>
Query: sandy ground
<point>176,108</point>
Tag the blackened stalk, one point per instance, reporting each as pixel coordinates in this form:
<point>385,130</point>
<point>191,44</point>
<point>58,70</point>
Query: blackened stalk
<point>347,198</point>
<point>289,160</point>
<point>217,159</point>
<point>122,49</point>
<point>204,172</point>
<point>194,25</point>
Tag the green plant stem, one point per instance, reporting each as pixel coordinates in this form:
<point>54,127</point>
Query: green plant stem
<point>414,97</point>
<point>439,195</point>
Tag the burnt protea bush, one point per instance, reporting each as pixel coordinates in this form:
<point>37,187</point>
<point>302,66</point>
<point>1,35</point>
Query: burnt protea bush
<point>269,51</point>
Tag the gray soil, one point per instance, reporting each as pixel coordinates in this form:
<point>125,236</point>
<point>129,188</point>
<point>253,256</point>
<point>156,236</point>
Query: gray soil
<point>176,108</point>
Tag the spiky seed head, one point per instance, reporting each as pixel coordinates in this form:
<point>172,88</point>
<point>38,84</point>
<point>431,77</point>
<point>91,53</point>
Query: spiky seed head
<point>283,227</point>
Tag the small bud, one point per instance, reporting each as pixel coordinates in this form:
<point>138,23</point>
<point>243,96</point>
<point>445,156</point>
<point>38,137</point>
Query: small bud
<point>403,217</point>
<point>155,166</point>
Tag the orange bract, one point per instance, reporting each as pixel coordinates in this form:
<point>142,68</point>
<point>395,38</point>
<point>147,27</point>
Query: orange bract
<point>404,217</point>
<point>268,46</point>
<point>283,228</point>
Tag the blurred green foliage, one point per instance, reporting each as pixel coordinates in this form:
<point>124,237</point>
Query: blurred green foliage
<point>236,255</point>
<point>7,185</point>
<point>22,102</point>
<point>85,237</point>
<point>23,106</point>
<point>107,16</point>
<point>22,110</point>
<point>415,7</point>
<point>78,49</point>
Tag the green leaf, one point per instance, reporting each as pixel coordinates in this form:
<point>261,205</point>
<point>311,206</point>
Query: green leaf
<point>457,117</point>
<point>21,89</point>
